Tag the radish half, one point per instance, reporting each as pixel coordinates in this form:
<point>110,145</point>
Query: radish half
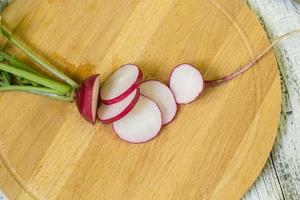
<point>87,98</point>
<point>114,112</point>
<point>163,96</point>
<point>120,84</point>
<point>142,124</point>
<point>186,83</point>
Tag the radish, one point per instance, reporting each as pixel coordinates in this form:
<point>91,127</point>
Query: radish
<point>114,112</point>
<point>186,83</point>
<point>163,96</point>
<point>87,98</point>
<point>142,124</point>
<point>136,118</point>
<point>120,84</point>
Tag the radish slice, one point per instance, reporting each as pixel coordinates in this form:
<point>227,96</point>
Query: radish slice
<point>114,112</point>
<point>142,124</point>
<point>87,98</point>
<point>163,96</point>
<point>120,84</point>
<point>186,83</point>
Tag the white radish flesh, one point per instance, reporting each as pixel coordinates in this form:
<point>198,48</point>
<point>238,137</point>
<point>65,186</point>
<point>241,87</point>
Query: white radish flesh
<point>186,83</point>
<point>163,96</point>
<point>120,84</point>
<point>142,124</point>
<point>115,112</point>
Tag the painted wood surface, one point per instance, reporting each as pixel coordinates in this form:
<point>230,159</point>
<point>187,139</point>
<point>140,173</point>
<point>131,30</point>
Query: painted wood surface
<point>255,47</point>
<point>281,176</point>
<point>2,196</point>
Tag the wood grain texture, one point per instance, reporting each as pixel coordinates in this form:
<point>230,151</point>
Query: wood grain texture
<point>214,149</point>
<point>280,179</point>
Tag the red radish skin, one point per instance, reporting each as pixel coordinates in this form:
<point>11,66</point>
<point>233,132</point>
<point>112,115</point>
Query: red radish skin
<point>186,83</point>
<point>142,124</point>
<point>163,96</point>
<point>111,113</point>
<point>120,84</point>
<point>87,98</point>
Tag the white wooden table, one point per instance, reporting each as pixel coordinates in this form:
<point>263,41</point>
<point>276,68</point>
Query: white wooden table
<point>280,179</point>
<point>281,176</point>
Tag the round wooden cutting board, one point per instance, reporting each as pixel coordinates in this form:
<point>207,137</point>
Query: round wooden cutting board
<point>214,149</point>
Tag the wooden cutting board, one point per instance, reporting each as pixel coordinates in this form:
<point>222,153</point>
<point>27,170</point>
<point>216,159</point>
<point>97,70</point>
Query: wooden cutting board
<point>214,149</point>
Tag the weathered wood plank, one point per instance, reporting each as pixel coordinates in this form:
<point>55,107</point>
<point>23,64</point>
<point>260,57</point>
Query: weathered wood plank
<point>267,185</point>
<point>282,180</point>
<point>2,197</point>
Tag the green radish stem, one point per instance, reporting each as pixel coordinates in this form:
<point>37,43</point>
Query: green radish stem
<point>61,88</point>
<point>243,69</point>
<point>16,67</point>
<point>15,41</point>
<point>5,79</point>
<point>14,61</point>
<point>38,90</point>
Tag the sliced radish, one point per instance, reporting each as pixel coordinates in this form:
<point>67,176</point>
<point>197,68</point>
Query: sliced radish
<point>142,124</point>
<point>87,98</point>
<point>120,84</point>
<point>163,96</point>
<point>114,112</point>
<point>186,83</point>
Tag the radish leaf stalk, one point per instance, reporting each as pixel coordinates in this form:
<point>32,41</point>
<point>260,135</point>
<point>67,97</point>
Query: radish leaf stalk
<point>38,90</point>
<point>14,61</point>
<point>19,44</point>
<point>62,88</point>
<point>15,75</point>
